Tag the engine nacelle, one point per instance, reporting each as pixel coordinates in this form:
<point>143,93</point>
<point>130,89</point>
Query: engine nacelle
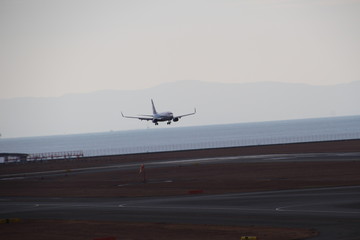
<point>176,119</point>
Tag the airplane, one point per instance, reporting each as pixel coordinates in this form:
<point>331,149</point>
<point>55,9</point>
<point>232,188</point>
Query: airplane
<point>160,117</point>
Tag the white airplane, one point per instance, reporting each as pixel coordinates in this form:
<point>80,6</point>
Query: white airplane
<point>160,117</point>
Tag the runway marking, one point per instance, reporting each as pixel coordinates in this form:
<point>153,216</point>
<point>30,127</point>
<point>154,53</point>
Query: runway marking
<point>278,209</point>
<point>12,178</point>
<point>281,158</point>
<point>197,208</point>
<point>282,209</point>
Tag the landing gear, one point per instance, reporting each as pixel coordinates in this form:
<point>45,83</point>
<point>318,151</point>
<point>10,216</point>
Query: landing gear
<point>169,122</point>
<point>156,123</point>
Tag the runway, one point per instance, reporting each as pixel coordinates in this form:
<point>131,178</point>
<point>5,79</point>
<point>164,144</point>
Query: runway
<point>305,157</point>
<point>335,212</point>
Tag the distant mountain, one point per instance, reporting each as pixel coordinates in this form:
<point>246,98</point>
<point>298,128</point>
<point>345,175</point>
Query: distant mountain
<point>216,103</point>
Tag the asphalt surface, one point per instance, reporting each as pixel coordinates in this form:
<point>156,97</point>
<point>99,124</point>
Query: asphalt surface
<point>334,212</point>
<point>353,156</point>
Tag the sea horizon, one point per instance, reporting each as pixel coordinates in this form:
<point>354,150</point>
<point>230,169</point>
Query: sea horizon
<point>190,137</point>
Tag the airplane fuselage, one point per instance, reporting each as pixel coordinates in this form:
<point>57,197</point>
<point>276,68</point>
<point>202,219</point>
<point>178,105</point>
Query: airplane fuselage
<point>164,116</point>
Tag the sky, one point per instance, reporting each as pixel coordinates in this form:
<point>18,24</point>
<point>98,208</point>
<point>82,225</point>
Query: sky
<point>54,47</point>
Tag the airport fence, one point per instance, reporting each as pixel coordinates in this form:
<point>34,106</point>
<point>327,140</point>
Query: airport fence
<point>152,147</point>
<point>55,155</point>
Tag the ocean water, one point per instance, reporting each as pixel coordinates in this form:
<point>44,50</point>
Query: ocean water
<point>197,137</point>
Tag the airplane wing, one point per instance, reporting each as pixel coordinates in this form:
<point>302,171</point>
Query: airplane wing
<point>180,116</point>
<point>149,118</point>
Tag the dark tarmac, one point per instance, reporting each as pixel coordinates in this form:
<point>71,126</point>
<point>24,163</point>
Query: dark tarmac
<point>269,158</point>
<point>333,211</point>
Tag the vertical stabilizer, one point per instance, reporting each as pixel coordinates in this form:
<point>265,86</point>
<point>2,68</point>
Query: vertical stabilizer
<point>153,107</point>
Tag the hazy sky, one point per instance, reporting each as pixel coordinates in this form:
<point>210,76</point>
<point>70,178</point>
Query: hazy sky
<point>50,48</point>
